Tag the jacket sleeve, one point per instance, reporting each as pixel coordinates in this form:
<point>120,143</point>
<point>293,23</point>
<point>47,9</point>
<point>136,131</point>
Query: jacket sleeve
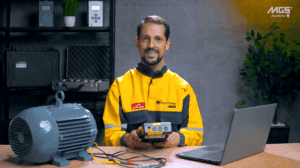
<point>114,122</point>
<point>191,130</point>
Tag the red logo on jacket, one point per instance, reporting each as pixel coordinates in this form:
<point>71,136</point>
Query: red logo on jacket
<point>138,105</point>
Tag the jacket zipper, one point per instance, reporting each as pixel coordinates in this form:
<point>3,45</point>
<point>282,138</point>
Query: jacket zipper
<point>149,92</point>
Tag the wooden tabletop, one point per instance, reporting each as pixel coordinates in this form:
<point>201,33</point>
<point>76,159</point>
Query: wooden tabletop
<point>274,155</point>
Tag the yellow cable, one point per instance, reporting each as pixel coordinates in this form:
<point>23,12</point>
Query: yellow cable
<point>106,162</point>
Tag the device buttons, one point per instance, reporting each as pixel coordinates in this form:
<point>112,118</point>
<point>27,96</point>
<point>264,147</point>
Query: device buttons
<point>154,128</point>
<point>93,18</point>
<point>95,14</point>
<point>98,18</point>
<point>166,128</point>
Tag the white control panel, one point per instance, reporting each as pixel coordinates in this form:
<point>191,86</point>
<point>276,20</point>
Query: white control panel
<point>95,15</point>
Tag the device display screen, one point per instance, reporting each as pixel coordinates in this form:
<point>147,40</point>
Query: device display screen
<point>46,8</point>
<point>95,7</point>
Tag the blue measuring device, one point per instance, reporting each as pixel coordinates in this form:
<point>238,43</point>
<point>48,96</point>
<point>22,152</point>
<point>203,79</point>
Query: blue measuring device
<point>46,14</point>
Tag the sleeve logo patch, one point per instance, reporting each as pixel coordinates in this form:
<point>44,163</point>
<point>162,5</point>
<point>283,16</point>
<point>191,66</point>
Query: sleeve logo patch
<point>138,105</point>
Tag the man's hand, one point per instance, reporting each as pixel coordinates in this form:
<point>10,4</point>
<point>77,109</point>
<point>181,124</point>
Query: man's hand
<point>173,140</point>
<point>134,141</point>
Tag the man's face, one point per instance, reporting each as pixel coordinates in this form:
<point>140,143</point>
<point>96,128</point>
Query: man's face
<point>152,43</point>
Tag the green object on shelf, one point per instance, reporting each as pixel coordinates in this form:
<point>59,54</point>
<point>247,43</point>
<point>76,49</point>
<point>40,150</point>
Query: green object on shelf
<point>70,7</point>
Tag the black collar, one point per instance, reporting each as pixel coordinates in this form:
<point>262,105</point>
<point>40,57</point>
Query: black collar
<point>144,69</point>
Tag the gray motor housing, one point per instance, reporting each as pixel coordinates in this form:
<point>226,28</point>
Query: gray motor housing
<point>53,133</point>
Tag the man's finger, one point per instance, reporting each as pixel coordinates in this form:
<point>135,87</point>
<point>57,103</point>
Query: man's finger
<point>159,144</point>
<point>136,130</point>
<point>143,144</point>
<point>147,144</point>
<point>136,138</point>
<point>139,129</point>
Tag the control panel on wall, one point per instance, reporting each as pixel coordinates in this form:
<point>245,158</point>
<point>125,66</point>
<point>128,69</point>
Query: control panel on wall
<point>95,14</point>
<point>46,13</point>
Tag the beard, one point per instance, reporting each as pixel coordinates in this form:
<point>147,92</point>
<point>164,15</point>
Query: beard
<point>152,63</point>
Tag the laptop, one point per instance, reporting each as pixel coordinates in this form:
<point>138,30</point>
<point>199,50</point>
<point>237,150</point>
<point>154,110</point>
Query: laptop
<point>248,134</point>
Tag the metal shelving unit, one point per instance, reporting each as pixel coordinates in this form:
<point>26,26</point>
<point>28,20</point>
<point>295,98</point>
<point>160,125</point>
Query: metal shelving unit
<point>6,93</point>
<point>56,29</point>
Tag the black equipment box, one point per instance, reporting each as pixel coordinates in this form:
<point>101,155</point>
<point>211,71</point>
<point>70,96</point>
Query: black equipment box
<point>31,66</point>
<point>279,133</point>
<point>87,69</point>
<point>155,132</point>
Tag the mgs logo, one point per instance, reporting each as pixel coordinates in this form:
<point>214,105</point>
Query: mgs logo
<point>281,9</point>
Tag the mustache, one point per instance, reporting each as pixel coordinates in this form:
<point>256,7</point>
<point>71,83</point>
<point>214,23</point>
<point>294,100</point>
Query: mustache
<point>150,49</point>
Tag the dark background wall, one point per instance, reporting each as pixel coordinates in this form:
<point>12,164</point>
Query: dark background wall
<point>207,49</point>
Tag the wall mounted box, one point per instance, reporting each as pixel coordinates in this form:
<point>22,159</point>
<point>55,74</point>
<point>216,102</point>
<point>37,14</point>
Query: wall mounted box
<point>95,13</point>
<point>46,14</point>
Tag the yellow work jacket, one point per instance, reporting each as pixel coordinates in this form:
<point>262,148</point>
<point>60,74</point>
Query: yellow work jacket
<point>144,96</point>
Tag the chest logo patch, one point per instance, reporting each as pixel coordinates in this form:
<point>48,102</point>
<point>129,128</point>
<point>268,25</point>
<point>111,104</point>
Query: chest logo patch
<point>138,105</point>
<point>170,104</point>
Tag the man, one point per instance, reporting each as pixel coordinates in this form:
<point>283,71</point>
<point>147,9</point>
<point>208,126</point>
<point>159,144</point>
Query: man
<point>151,93</point>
